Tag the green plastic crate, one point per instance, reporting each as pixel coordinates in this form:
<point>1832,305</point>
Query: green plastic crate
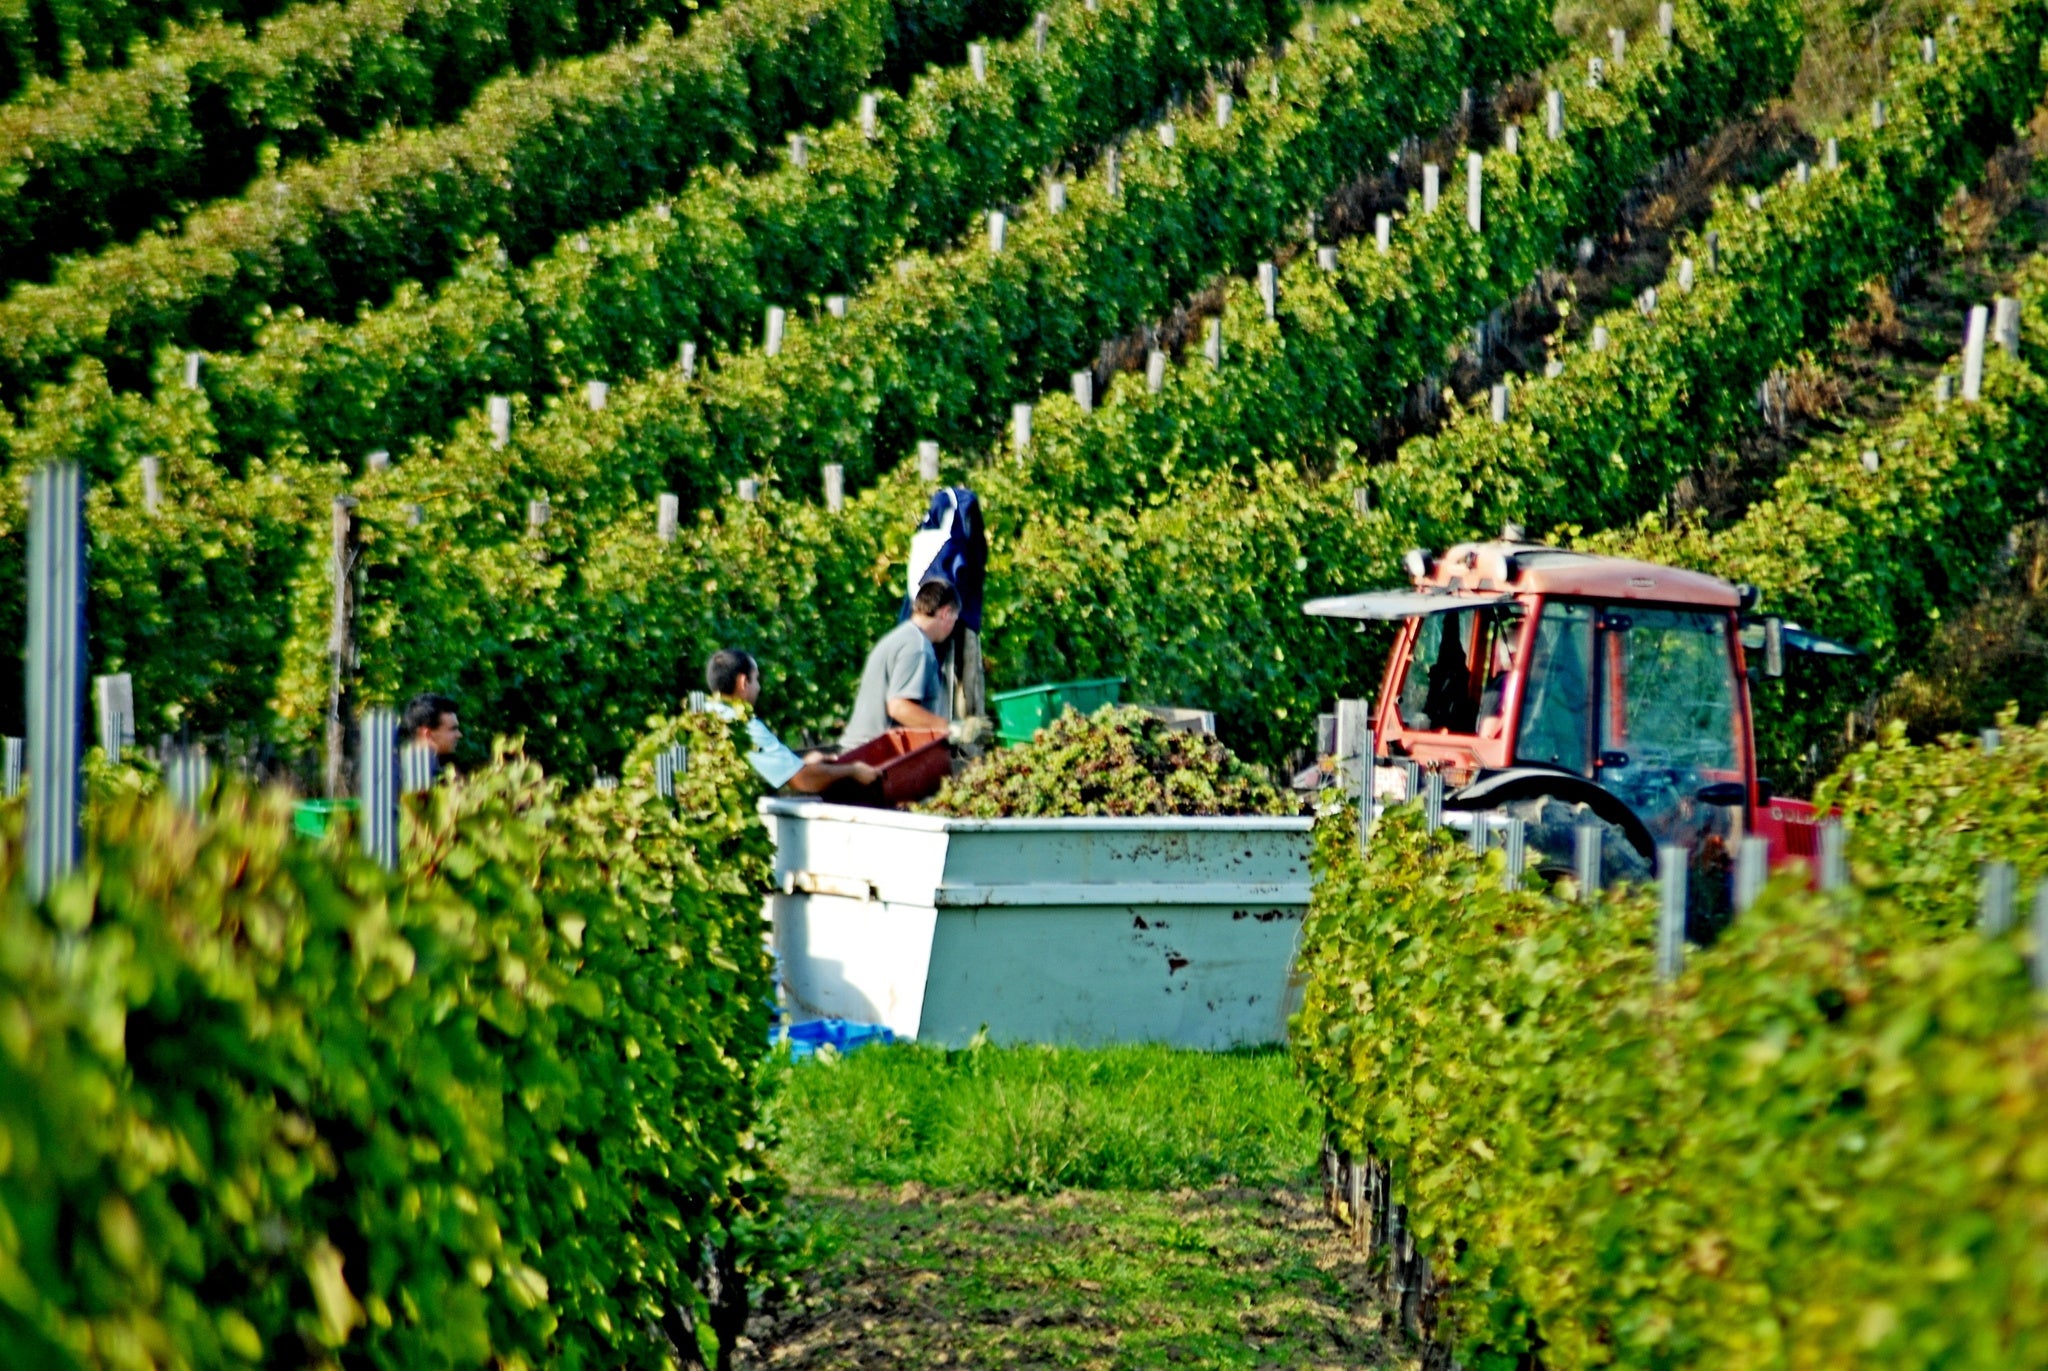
<point>1021,713</point>
<point>311,818</point>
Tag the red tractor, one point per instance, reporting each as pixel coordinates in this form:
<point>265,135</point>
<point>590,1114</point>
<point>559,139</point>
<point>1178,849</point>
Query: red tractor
<point>1567,689</point>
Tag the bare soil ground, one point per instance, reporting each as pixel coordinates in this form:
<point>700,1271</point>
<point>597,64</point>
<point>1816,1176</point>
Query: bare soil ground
<point>1223,1277</point>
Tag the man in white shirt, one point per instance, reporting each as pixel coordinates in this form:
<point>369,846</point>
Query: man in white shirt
<point>901,685</point>
<point>735,681</point>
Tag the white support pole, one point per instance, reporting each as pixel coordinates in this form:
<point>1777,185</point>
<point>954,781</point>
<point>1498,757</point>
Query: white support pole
<point>595,394</point>
<point>1020,429</point>
<point>771,341</point>
<point>1326,258</point>
<point>1671,880</point>
<point>498,413</point>
<point>1224,104</point>
<point>1213,348</point>
<point>1499,403</point>
<point>799,151</point>
<point>1113,174</point>
<point>1056,197</point>
<point>748,488</point>
<point>1997,892</point>
<point>835,487</point>
<point>1667,20</point>
<point>1475,189</point>
<point>1269,289</point>
<point>417,762</point>
<point>1553,114</point>
<point>977,62</point>
<point>686,360</point>
<point>1083,386</point>
<point>1166,134</point>
<point>998,231</point>
<point>1432,185</point>
<point>668,513</point>
<point>114,704</point>
<point>1155,371</point>
<point>1752,870</point>
<point>1586,841</point>
<point>2006,324</point>
<point>1383,233</point>
<point>928,460</point>
<point>379,786</point>
<point>1973,353</point>
<point>870,115</point>
<point>152,484</point>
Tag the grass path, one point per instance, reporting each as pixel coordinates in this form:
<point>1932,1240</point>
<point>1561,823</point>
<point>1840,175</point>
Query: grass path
<point>1030,1207</point>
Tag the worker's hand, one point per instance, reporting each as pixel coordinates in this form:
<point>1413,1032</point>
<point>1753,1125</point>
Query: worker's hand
<point>967,732</point>
<point>865,774</point>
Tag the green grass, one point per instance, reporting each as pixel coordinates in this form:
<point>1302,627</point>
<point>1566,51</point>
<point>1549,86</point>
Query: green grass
<point>1056,1207</point>
<point>1036,1120</point>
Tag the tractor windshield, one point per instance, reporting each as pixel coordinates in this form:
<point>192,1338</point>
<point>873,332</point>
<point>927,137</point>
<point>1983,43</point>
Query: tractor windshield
<point>1669,696</point>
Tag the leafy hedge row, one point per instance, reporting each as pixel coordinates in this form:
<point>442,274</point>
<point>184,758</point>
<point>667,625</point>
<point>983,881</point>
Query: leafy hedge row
<point>54,39</point>
<point>532,156</point>
<point>1877,557</point>
<point>704,266</point>
<point>264,1103</point>
<point>1821,1146</point>
<point>108,153</point>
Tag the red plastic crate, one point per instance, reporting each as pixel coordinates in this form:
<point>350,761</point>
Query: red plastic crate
<point>914,762</point>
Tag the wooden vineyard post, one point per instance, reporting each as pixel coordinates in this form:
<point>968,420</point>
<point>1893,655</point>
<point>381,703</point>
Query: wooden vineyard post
<point>55,663</point>
<point>1671,873</point>
<point>341,650</point>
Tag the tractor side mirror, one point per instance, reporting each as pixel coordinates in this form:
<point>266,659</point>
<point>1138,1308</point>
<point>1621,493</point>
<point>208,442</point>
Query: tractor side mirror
<point>1774,646</point>
<point>1726,794</point>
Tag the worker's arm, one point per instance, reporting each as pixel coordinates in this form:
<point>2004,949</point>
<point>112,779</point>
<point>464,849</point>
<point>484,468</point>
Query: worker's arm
<point>908,713</point>
<point>817,775</point>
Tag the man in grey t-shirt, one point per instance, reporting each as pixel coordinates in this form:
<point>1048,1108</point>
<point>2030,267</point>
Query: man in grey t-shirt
<point>900,687</point>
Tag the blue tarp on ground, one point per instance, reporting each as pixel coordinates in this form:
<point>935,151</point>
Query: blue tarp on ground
<point>841,1035</point>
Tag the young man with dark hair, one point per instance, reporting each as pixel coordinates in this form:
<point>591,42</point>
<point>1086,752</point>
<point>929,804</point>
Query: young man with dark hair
<point>431,719</point>
<point>901,686</point>
<point>735,681</point>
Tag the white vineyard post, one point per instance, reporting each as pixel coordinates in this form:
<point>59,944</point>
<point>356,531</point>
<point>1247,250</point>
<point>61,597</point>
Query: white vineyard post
<point>799,151</point>
<point>1056,197</point>
<point>10,778</point>
<point>835,488</point>
<point>1433,801</point>
<point>114,703</point>
<point>537,514</point>
<point>1802,173</point>
<point>835,305</point>
<point>1685,275</point>
<point>1973,354</point>
<point>1511,140</point>
<point>1831,156</point>
<point>1020,429</point>
<point>1041,28</point>
<point>1351,723</point>
<point>1587,836</point>
<point>188,772</point>
<point>192,361</point>
<point>1269,289</point>
<point>1083,384</point>
<point>595,393</point>
<point>1361,500</point>
<point>670,763</point>
<point>1155,371</point>
<point>1167,136</point>
<point>1475,189</point>
<point>2039,960</point>
<point>1365,747</point>
<point>152,484</point>
<point>2005,326</point>
<point>977,62</point>
<point>1498,403</point>
<point>1475,836</point>
<point>1671,875</point>
<point>1326,258</point>
<point>1617,41</point>
<point>415,514</point>
<point>1553,114</point>
<point>1383,233</point>
<point>1432,178</point>
<point>379,786</point>
<point>380,460</point>
<point>668,513</point>
<point>1113,174</point>
<point>1876,114</point>
<point>1213,348</point>
<point>1714,250</point>
<point>686,360</point>
<point>771,341</point>
<point>1224,104</point>
<point>1988,740</point>
<point>1596,71</point>
<point>55,670</point>
<point>1515,847</point>
<point>1997,885</point>
<point>869,111</point>
<point>1752,870</point>
<point>1927,49</point>
<point>1599,341</point>
<point>1834,855</point>
<point>998,231</point>
<point>748,488</point>
<point>416,761</point>
<point>1667,20</point>
<point>928,460</point>
<point>498,413</point>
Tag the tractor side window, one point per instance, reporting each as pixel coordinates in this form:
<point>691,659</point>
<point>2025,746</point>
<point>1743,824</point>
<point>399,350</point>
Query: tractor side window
<point>1438,691</point>
<point>1558,698</point>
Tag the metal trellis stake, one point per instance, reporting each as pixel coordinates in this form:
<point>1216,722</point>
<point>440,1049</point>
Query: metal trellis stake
<point>1671,874</point>
<point>379,799</point>
<point>55,670</point>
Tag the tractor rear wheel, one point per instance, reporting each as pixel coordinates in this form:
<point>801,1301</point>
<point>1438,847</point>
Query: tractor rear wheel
<point>1550,828</point>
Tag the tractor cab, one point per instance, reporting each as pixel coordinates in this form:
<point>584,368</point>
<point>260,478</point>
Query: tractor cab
<point>1565,689</point>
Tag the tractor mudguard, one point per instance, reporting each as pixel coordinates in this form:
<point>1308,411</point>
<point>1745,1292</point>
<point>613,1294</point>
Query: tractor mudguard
<point>1497,788</point>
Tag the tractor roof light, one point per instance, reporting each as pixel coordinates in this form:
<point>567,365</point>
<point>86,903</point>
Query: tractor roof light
<point>1419,563</point>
